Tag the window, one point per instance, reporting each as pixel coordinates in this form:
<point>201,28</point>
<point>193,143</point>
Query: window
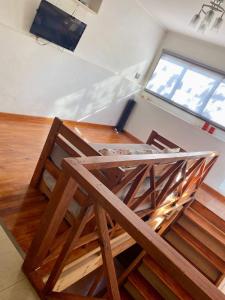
<point>191,87</point>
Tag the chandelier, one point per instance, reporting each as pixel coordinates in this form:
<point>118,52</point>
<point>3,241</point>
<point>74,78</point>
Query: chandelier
<point>210,16</point>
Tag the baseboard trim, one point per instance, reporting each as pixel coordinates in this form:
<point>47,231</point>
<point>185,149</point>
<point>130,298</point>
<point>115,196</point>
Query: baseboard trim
<point>133,137</point>
<point>213,192</point>
<point>48,121</point>
<point>45,120</point>
<point>25,118</point>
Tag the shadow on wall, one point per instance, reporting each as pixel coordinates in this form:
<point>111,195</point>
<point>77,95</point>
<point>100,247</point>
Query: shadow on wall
<point>100,102</point>
<point>43,81</point>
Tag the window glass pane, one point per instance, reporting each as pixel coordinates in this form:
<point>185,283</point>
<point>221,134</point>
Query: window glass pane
<point>165,77</point>
<point>215,109</point>
<point>194,89</point>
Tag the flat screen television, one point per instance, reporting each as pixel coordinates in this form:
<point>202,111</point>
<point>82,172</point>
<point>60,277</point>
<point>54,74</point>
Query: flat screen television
<point>56,26</point>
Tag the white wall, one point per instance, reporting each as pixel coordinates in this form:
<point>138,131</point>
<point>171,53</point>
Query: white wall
<point>90,84</point>
<point>182,128</point>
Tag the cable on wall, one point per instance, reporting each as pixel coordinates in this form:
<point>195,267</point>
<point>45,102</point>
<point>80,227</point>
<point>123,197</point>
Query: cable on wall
<point>75,10</point>
<point>38,40</point>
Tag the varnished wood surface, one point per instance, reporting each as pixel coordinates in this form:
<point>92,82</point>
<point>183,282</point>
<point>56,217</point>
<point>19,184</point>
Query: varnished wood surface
<point>212,201</point>
<point>178,268</point>
<point>21,141</point>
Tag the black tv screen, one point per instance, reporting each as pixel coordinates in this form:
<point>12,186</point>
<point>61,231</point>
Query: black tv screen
<point>56,26</point>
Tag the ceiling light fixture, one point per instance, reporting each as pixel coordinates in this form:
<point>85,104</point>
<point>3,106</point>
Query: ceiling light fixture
<point>209,11</point>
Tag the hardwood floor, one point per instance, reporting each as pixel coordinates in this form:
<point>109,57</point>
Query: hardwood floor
<point>21,141</point>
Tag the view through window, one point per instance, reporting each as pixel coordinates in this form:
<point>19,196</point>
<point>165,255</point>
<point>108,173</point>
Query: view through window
<point>193,88</point>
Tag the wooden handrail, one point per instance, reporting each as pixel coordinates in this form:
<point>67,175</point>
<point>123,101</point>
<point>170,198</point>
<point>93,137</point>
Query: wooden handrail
<point>180,179</point>
<point>106,162</point>
<point>189,277</point>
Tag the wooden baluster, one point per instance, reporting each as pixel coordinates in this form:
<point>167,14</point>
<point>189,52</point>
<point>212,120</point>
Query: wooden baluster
<point>183,175</point>
<point>189,173</point>
<point>152,185</point>
<point>50,222</point>
<point>108,264</point>
<point>135,186</point>
<point>46,151</point>
<point>70,243</point>
<point>194,181</point>
<point>201,173</point>
<point>208,168</point>
<point>157,184</point>
<point>170,181</point>
<point>129,177</point>
<point>200,166</point>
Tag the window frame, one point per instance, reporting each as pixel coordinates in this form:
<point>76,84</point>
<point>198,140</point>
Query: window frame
<point>169,101</point>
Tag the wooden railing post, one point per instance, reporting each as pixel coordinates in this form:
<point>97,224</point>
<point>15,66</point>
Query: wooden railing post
<point>45,152</point>
<point>50,222</point>
<point>108,263</point>
<point>70,243</point>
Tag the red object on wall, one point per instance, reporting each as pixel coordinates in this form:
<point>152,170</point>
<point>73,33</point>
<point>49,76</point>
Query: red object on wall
<point>205,126</point>
<point>212,130</point>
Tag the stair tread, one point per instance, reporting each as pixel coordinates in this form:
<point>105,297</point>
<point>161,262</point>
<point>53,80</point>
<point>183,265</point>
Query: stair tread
<point>205,224</point>
<point>143,286</point>
<point>165,278</point>
<point>215,260</point>
<point>202,235</point>
<point>209,215</point>
<point>194,257</point>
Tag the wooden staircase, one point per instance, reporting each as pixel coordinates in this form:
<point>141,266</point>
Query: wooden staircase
<point>150,281</point>
<point>159,271</point>
<point>199,235</point>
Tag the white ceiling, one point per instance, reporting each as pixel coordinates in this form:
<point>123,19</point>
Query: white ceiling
<point>175,15</point>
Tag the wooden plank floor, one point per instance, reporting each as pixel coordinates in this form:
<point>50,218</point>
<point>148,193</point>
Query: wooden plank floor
<point>21,141</point>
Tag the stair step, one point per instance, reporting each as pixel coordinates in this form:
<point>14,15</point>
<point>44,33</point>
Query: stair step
<point>209,215</point>
<point>200,234</point>
<point>166,286</point>
<point>143,286</point>
<point>124,295</point>
<point>192,256</point>
<point>133,292</point>
<point>215,260</point>
<point>206,225</point>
